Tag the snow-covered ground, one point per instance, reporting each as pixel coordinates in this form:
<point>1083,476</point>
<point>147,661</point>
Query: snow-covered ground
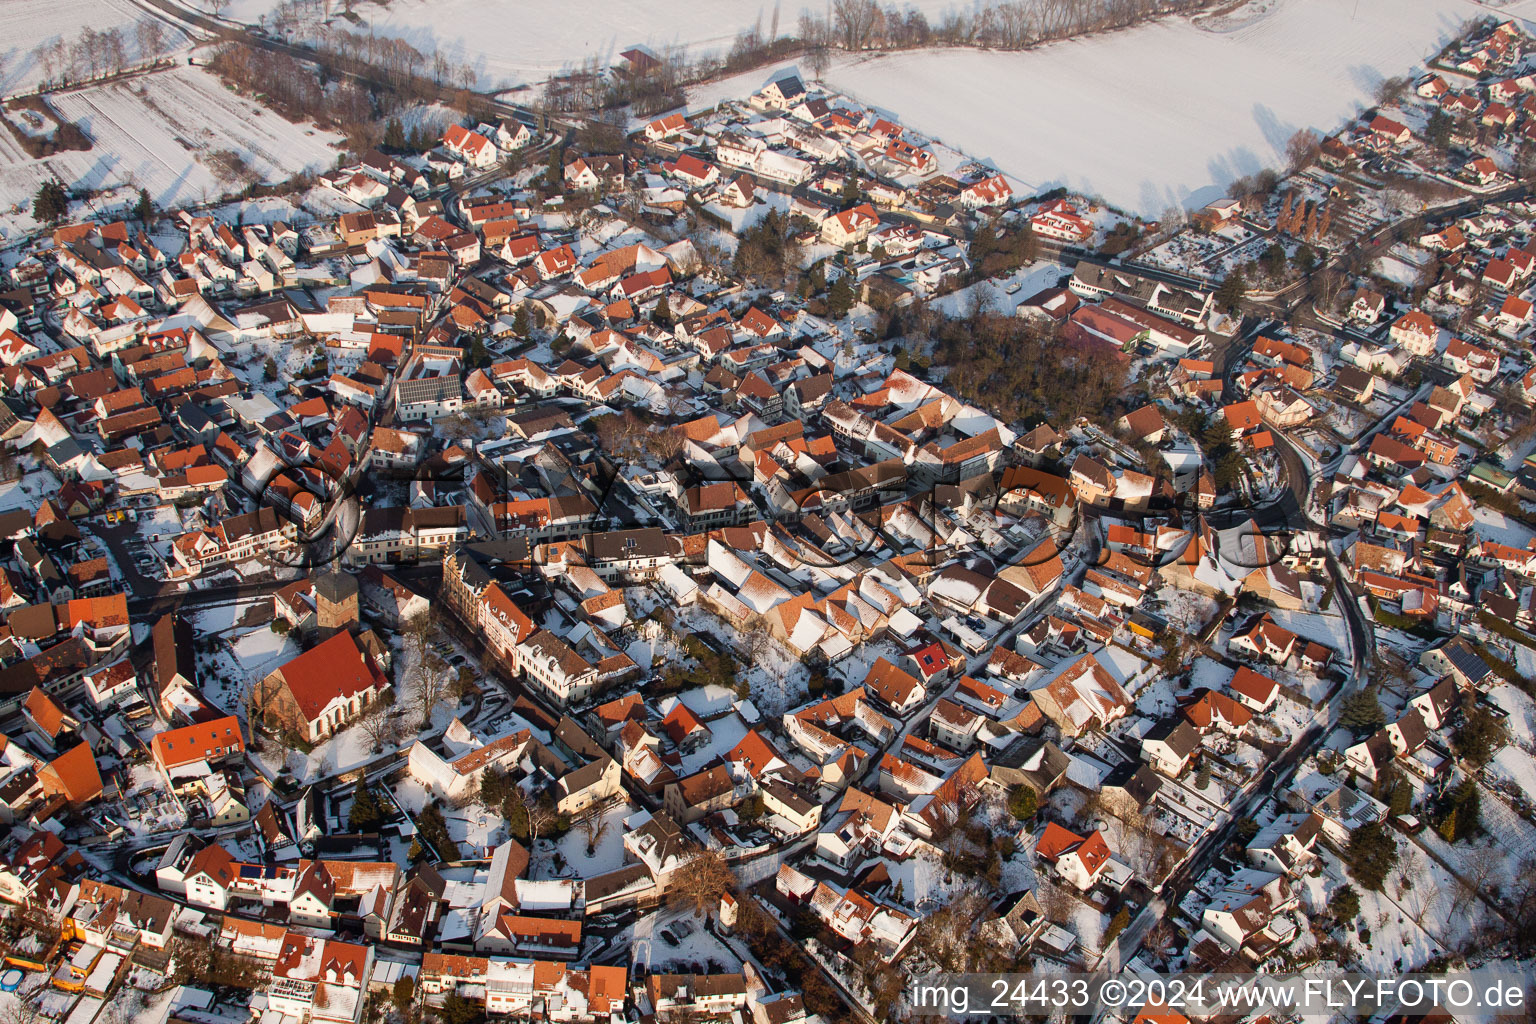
<point>510,43</point>
<point>1001,294</point>
<point>33,24</point>
<point>1163,114</point>
<point>1495,526</point>
<point>160,132</point>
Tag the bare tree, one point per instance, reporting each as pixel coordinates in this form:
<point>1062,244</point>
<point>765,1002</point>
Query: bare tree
<point>149,34</point>
<point>855,21</point>
<point>114,50</point>
<point>1302,149</point>
<point>378,726</point>
<point>701,881</point>
<point>1330,283</point>
<point>594,827</point>
<point>1418,900</point>
<point>1391,90</point>
<point>1480,867</point>
<point>418,630</point>
<point>1055,902</point>
<point>431,684</point>
<point>542,817</point>
<point>43,55</point>
<point>124,1007</point>
<point>21,1010</point>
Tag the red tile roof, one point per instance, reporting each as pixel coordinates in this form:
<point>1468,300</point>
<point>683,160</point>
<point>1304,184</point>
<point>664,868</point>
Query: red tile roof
<point>335,668</point>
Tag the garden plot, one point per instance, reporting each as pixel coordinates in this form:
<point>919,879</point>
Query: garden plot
<point>179,134</point>
<point>691,946</point>
<point>1492,525</point>
<point>1326,628</point>
<point>573,861</point>
<point>1494,859</point>
<point>1399,928</point>
<point>1001,294</point>
<point>1188,250</point>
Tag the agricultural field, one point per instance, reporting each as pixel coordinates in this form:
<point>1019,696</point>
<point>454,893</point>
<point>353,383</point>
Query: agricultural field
<point>178,133</point>
<point>1164,114</point>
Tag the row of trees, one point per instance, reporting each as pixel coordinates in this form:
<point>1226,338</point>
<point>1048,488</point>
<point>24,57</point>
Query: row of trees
<point>849,25</point>
<point>95,53</point>
<point>866,24</point>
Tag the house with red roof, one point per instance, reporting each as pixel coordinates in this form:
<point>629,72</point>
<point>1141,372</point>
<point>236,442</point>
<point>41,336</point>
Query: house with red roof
<point>1388,132</point>
<point>1416,332</point>
<point>471,147</point>
<point>1513,316</point>
<point>990,191</point>
<point>666,127</point>
<point>850,227</point>
<point>1267,639</point>
<point>321,691</point>
<point>1252,690</point>
<point>1080,860</point>
<point>692,170</point>
<point>72,776</point>
<point>196,747</point>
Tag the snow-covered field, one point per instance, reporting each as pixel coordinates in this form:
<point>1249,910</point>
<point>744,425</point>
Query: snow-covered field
<point>510,43</point>
<point>30,24</point>
<point>160,132</point>
<point>1162,114</point>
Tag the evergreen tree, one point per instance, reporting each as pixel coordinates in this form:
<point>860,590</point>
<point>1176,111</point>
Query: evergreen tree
<point>1345,905</point>
<point>1227,469</point>
<point>458,1010</point>
<point>662,314</point>
<point>516,815</point>
<point>840,298</point>
<point>394,135</point>
<point>1273,260</point>
<point>1230,295</point>
<point>1203,776</point>
<point>983,243</point>
<point>520,321</point>
<point>1438,131</point>
<point>50,204</point>
<point>1447,826</point>
<point>1371,854</point>
<point>144,209</point>
<point>1023,803</point>
<point>1477,739</point>
<point>1463,812</point>
<point>1361,711</point>
<point>269,370</point>
<point>367,812</point>
<point>1217,437</point>
<point>477,354</point>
